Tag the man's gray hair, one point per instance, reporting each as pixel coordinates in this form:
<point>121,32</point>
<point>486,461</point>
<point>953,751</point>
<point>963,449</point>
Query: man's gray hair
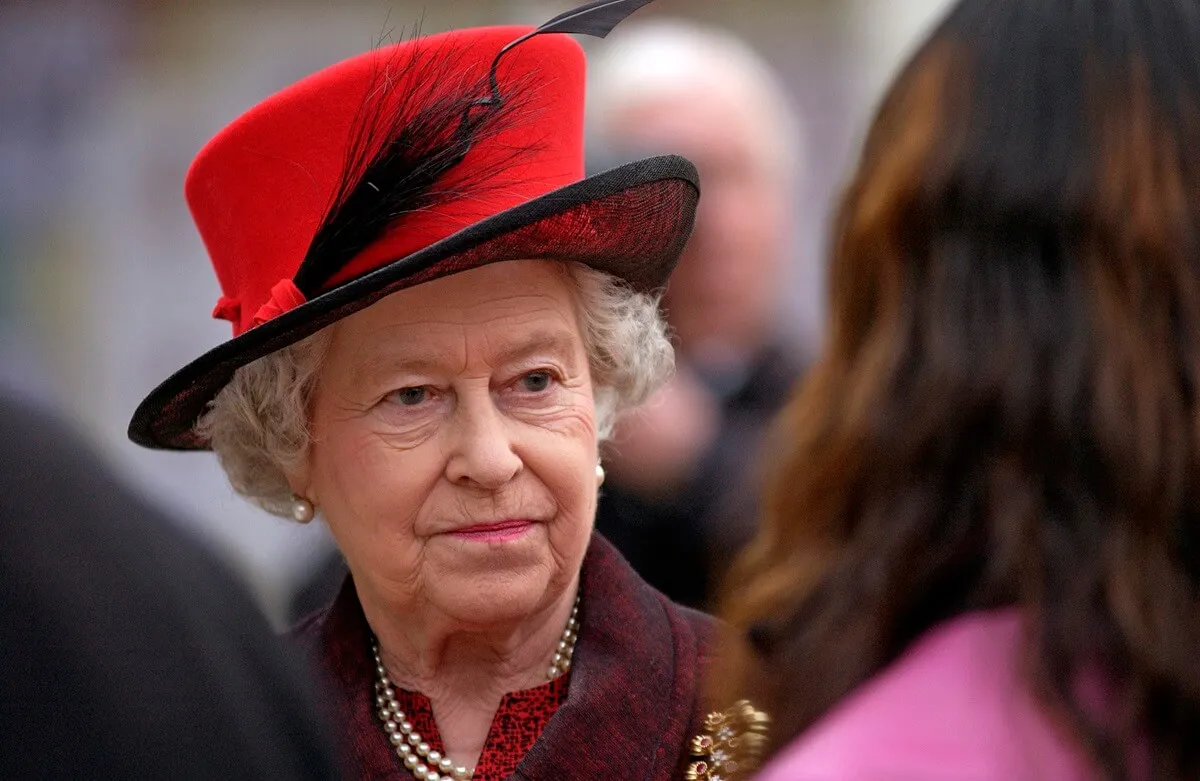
<point>258,425</point>
<point>644,61</point>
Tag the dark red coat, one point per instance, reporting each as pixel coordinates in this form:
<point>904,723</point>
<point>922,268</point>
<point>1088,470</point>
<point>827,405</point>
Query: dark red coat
<point>633,703</point>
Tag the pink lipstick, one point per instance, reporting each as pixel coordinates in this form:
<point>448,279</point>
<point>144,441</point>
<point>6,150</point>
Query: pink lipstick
<point>493,532</point>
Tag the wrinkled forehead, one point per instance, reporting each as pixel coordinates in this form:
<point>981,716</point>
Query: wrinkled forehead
<point>496,314</point>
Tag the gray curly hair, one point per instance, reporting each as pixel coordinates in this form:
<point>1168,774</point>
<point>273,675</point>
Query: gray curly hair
<point>258,425</point>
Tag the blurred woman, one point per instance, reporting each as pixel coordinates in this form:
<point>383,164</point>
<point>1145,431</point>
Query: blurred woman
<point>979,557</point>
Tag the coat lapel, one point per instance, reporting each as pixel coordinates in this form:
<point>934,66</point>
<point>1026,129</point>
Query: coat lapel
<point>633,705</point>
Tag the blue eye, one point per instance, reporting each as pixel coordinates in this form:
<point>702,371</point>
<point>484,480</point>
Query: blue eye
<point>536,382</point>
<point>410,397</point>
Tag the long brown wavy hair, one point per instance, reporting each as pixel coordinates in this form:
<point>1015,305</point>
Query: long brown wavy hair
<point>1005,412</point>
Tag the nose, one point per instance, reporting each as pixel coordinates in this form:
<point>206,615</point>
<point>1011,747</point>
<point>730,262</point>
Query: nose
<point>481,446</point>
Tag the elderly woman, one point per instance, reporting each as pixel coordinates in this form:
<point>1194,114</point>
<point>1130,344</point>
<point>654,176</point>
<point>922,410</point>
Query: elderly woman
<point>436,320</point>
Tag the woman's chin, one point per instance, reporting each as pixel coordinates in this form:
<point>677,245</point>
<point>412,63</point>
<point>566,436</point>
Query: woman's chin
<point>486,598</point>
<point>492,606</point>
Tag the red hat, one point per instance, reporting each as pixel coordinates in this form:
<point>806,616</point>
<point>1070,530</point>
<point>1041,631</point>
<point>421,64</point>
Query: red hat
<point>398,166</point>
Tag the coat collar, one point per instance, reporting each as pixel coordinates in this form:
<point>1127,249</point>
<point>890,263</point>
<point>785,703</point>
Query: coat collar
<point>632,705</point>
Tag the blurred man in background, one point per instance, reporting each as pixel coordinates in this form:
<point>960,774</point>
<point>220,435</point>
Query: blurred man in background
<point>679,501</point>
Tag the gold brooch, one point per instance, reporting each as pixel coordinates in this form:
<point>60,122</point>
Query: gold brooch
<point>731,745</point>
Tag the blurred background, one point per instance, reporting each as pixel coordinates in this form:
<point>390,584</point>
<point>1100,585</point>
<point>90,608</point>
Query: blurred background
<point>105,288</point>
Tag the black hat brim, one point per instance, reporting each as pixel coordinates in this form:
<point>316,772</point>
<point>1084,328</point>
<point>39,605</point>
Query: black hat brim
<point>631,222</point>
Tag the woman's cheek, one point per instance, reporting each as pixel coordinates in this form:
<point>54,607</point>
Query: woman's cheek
<point>363,459</point>
<point>566,411</point>
<point>405,429</point>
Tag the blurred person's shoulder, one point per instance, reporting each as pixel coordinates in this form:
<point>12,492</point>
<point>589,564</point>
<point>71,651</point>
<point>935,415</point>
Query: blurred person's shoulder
<point>131,651</point>
<point>69,513</point>
<point>954,707</point>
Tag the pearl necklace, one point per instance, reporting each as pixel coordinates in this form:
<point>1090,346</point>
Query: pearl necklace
<point>425,763</point>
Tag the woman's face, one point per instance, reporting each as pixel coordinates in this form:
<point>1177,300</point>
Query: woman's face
<point>454,444</point>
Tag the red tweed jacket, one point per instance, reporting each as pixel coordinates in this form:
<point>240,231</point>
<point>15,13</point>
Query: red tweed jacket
<point>633,702</point>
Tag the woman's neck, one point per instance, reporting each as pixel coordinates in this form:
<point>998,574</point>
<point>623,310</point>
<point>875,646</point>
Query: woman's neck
<point>465,673</point>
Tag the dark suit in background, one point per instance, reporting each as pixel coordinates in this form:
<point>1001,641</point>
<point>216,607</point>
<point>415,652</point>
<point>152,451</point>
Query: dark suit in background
<point>684,543</point>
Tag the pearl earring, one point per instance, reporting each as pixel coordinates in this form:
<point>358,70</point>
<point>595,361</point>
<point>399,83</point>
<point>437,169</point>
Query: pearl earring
<point>599,474</point>
<point>302,509</point>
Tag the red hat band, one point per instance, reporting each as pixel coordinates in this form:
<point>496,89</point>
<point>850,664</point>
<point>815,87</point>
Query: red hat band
<point>263,188</point>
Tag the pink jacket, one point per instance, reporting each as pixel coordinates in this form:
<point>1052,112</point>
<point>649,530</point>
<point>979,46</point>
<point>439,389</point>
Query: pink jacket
<point>952,708</point>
